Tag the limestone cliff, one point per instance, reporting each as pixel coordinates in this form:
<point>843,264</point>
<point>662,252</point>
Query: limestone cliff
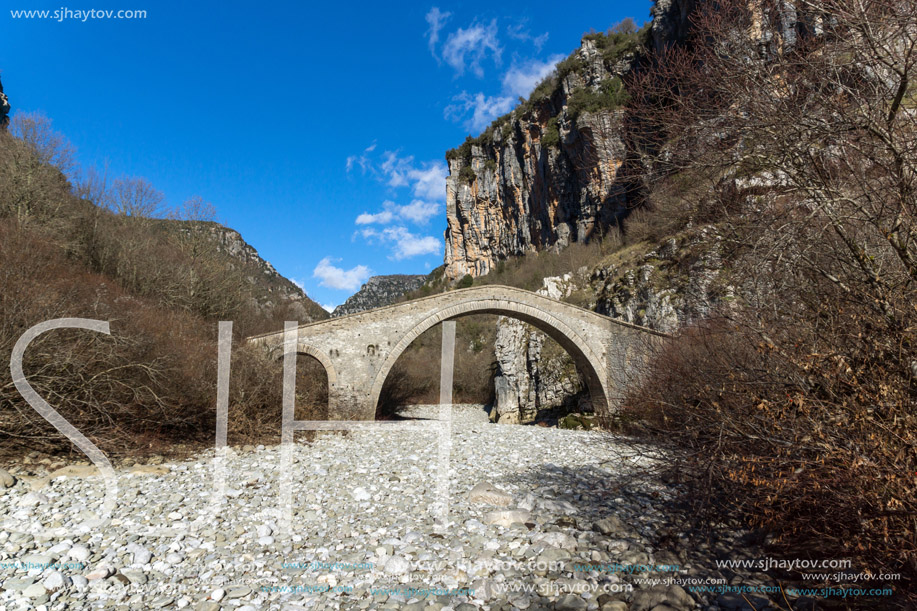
<point>380,291</point>
<point>534,374</point>
<point>553,171</point>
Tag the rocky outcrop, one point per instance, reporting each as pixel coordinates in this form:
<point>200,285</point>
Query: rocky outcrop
<point>534,374</point>
<point>4,109</point>
<point>670,22</point>
<point>551,172</point>
<point>559,168</point>
<point>664,288</point>
<point>380,291</point>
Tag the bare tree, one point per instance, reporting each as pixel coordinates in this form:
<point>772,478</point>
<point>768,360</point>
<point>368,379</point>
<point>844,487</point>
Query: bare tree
<point>50,147</point>
<point>801,397</point>
<point>135,197</point>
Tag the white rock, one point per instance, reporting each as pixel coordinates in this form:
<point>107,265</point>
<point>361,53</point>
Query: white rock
<point>218,594</point>
<point>396,565</point>
<point>508,518</point>
<point>80,553</point>
<point>361,494</point>
<point>141,555</point>
<point>55,580</point>
<point>174,558</point>
<point>79,582</point>
<point>99,573</point>
<point>556,539</point>
<point>32,499</point>
<point>488,494</point>
<point>36,590</point>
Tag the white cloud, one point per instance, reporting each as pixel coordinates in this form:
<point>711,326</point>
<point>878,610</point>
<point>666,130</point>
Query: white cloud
<point>419,211</point>
<point>382,218</point>
<point>519,32</point>
<point>435,19</point>
<point>328,307</point>
<point>404,244</point>
<point>429,180</point>
<point>468,47</point>
<point>483,108</point>
<point>338,278</point>
<point>521,79</point>
<point>361,160</point>
<point>299,283</point>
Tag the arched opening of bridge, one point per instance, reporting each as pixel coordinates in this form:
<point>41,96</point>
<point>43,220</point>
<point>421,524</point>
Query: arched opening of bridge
<point>311,388</point>
<point>312,384</point>
<point>522,372</point>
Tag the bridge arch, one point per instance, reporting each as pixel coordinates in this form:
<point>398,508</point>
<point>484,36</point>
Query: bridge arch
<point>318,355</point>
<point>591,366</point>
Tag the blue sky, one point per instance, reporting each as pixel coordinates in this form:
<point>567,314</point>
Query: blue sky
<point>316,130</point>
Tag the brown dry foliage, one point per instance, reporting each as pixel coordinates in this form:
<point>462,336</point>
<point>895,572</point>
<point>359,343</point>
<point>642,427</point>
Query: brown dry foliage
<point>796,405</point>
<point>152,382</point>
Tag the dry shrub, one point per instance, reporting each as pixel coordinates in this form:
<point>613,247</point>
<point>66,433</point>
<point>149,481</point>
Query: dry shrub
<point>162,284</point>
<point>808,432</point>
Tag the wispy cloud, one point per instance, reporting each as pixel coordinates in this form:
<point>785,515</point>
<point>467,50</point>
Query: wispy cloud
<point>483,109</point>
<point>418,211</point>
<point>521,79</point>
<point>337,278</point>
<point>435,19</point>
<point>518,31</point>
<point>328,307</point>
<point>386,216</point>
<point>478,110</point>
<point>403,243</point>
<point>427,180</point>
<point>469,47</point>
<point>362,159</point>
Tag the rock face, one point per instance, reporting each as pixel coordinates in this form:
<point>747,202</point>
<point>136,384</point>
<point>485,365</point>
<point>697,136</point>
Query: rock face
<point>533,373</point>
<point>4,109</point>
<point>667,287</point>
<point>663,287</point>
<point>270,289</point>
<point>551,172</point>
<point>379,291</point>
<point>559,167</point>
<point>670,22</point>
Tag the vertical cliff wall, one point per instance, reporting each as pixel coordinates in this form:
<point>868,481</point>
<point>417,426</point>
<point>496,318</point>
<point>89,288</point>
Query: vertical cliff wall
<point>551,172</point>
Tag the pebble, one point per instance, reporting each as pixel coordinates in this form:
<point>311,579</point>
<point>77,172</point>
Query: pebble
<point>6,480</point>
<point>517,497</point>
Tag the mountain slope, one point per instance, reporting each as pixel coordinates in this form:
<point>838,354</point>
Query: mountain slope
<point>380,291</point>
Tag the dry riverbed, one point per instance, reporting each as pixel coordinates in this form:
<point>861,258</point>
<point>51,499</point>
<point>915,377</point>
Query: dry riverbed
<point>537,518</point>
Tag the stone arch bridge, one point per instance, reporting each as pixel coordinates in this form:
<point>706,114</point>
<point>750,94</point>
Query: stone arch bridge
<point>359,350</point>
